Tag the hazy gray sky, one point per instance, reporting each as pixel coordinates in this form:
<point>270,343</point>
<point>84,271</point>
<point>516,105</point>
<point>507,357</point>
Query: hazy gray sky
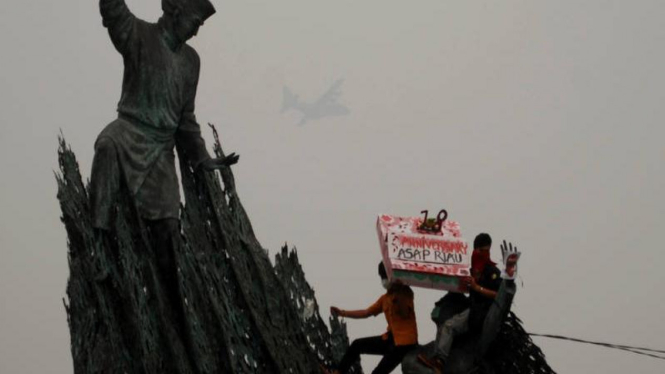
<point>538,122</point>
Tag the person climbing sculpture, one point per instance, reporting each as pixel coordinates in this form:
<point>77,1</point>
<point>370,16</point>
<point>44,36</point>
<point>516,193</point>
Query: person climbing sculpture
<point>155,113</point>
<point>402,333</point>
<point>483,285</point>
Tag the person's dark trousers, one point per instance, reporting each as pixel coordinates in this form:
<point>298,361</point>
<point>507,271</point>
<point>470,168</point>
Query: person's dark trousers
<point>376,345</point>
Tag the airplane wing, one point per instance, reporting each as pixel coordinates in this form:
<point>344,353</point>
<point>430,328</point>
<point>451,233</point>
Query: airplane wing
<point>331,95</point>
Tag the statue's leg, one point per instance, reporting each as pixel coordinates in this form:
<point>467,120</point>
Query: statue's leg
<point>165,237</point>
<point>104,182</point>
<point>447,331</point>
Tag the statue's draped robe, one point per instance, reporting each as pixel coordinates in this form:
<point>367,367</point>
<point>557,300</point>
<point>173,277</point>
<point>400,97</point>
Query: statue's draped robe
<point>156,111</point>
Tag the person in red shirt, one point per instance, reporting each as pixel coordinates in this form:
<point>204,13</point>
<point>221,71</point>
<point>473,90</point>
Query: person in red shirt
<point>402,333</point>
<point>483,285</point>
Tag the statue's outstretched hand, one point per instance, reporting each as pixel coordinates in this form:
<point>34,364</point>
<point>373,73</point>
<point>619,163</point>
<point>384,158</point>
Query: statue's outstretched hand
<point>221,162</point>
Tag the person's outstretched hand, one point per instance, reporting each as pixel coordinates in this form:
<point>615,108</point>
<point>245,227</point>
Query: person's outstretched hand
<point>510,257</point>
<point>221,162</point>
<point>470,283</point>
<point>335,311</point>
<point>507,250</point>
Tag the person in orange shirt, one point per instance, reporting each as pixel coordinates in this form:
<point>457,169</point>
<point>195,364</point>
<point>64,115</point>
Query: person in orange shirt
<point>402,335</point>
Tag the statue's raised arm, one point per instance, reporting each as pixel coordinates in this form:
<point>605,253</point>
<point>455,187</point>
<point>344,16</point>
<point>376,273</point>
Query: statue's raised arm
<point>119,21</point>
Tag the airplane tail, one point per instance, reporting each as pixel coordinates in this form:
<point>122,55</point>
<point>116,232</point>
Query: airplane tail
<point>289,101</point>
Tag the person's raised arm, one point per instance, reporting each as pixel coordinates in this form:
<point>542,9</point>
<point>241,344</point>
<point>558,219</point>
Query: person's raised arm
<point>119,21</point>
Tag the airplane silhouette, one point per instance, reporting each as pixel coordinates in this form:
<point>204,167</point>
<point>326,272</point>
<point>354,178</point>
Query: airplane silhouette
<point>325,106</point>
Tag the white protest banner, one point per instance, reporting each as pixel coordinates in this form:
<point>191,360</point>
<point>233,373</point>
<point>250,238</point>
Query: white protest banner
<point>421,258</point>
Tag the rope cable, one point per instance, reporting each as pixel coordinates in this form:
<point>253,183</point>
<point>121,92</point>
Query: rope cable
<point>627,348</point>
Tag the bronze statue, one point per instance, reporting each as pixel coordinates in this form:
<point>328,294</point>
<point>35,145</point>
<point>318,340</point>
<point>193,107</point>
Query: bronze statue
<point>155,113</point>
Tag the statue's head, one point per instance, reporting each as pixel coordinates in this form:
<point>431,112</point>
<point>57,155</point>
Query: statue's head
<point>187,16</point>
